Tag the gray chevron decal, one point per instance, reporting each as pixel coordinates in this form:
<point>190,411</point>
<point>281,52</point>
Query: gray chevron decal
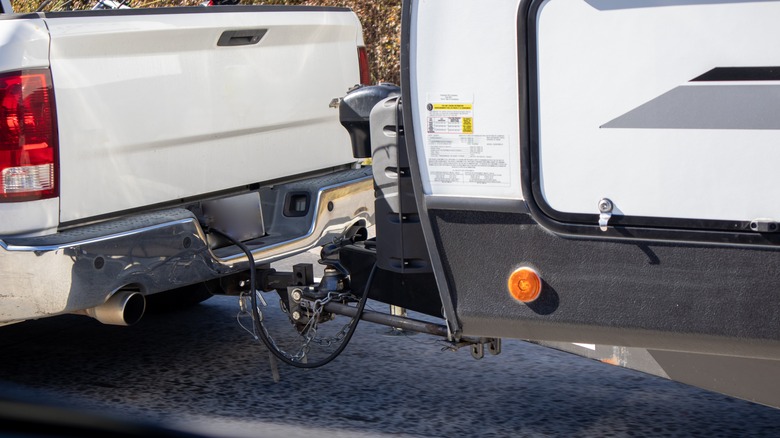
<point>736,102</point>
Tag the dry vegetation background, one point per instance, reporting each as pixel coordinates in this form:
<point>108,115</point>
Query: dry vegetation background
<point>381,24</point>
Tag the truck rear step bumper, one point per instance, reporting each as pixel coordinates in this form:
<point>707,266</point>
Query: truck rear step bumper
<point>154,252</point>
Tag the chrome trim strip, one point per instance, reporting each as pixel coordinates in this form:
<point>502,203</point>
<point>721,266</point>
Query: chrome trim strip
<point>46,248</point>
<point>262,254</point>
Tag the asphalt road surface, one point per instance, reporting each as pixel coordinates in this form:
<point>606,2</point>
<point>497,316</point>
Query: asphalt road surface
<point>198,370</point>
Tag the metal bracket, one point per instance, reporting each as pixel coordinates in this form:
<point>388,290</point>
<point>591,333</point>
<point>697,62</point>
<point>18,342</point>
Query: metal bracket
<point>477,346</point>
<point>478,351</point>
<point>605,213</point>
<point>494,346</point>
<point>764,226</point>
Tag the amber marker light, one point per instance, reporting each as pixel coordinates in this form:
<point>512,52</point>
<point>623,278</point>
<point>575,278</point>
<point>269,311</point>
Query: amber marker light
<point>524,285</point>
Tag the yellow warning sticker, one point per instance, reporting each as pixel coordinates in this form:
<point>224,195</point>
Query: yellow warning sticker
<point>452,107</point>
<point>468,125</point>
<point>450,116</point>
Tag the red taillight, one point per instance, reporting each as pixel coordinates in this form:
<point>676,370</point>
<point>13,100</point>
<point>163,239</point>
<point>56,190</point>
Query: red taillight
<point>365,72</point>
<point>28,137</point>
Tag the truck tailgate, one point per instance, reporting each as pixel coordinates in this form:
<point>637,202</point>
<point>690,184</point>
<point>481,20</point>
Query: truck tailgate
<point>158,105</point>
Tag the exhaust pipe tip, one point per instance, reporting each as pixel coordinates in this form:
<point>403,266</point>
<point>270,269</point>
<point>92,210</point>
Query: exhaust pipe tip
<point>123,308</point>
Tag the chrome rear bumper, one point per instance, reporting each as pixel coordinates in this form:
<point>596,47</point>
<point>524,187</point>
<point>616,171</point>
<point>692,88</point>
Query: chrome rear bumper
<point>81,268</point>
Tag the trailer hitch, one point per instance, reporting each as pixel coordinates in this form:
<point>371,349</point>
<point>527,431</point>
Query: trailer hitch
<point>309,304</point>
<point>404,323</point>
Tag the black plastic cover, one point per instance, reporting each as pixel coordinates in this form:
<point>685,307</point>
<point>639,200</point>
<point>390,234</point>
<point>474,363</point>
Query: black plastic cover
<point>354,110</point>
<point>400,244</point>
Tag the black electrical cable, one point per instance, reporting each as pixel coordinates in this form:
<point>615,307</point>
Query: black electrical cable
<point>261,331</point>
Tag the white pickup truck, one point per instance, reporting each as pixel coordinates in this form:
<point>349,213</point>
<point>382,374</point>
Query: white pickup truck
<point>126,135</point>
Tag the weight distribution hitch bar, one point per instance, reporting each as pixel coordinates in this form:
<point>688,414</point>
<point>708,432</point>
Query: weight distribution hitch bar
<point>302,298</point>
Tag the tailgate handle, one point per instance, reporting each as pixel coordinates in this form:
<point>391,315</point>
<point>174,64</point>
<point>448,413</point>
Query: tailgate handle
<point>244,37</point>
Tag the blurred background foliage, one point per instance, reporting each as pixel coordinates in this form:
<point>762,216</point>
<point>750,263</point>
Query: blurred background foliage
<point>381,21</point>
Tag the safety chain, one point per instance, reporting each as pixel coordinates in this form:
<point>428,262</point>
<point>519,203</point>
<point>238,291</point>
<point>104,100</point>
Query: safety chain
<point>327,342</point>
<point>309,330</point>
